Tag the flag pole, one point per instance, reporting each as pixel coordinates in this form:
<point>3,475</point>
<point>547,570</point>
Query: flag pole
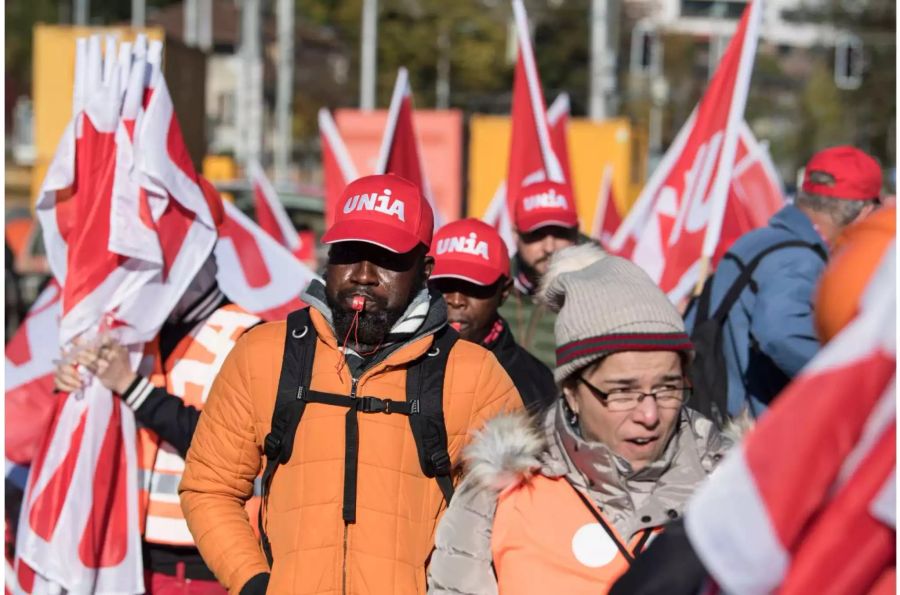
<point>719,191</point>
<point>701,278</point>
<point>400,88</point>
<point>602,200</point>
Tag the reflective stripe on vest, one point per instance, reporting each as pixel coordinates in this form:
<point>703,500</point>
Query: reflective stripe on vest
<point>544,536</point>
<point>189,374</point>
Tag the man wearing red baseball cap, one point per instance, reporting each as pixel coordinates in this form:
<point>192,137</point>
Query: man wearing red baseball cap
<point>545,221</point>
<point>471,270</point>
<point>768,333</point>
<point>356,409</point>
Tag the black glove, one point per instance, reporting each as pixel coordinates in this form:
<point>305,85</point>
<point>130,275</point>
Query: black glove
<point>668,567</point>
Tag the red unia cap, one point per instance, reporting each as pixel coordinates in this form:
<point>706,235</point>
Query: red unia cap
<point>385,210</point>
<point>471,250</point>
<point>543,204</point>
<point>857,176</point>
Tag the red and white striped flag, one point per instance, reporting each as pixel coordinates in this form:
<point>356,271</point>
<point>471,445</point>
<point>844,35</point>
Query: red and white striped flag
<point>338,168</point>
<point>400,153</point>
<point>271,215</point>
<point>127,227</point>
<point>677,219</point>
<point>807,504</point>
<point>606,214</point>
<point>255,271</point>
<point>30,402</point>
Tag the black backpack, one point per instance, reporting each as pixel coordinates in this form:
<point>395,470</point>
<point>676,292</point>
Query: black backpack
<point>708,371</point>
<point>423,406</point>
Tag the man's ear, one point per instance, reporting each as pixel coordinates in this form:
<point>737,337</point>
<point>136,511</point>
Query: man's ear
<point>505,289</point>
<point>866,211</point>
<point>427,267</point>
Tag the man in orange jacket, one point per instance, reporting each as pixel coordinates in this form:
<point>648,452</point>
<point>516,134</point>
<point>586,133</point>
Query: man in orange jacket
<point>361,404</point>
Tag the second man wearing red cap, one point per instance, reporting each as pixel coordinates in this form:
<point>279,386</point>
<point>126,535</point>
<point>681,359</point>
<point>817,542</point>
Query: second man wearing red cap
<point>471,270</point>
<point>545,221</point>
<point>359,406</point>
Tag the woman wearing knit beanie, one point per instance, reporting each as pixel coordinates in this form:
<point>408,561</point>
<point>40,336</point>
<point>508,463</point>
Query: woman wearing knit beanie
<point>568,500</point>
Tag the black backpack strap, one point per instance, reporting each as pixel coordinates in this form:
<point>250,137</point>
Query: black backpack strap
<point>708,368</point>
<point>702,303</point>
<point>425,393</point>
<point>746,275</point>
<point>296,373</point>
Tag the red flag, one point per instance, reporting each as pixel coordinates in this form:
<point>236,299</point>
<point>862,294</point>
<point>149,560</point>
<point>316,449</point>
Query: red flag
<point>307,252</point>
<point>531,156</point>
<point>798,486</point>
<point>606,215</point>
<point>754,194</point>
<point>338,168</point>
<point>126,227</point>
<point>271,214</point>
<point>255,271</point>
<point>119,204</point>
<point>30,401</point>
<point>400,152</point>
<point>498,213</point>
<point>678,217</point>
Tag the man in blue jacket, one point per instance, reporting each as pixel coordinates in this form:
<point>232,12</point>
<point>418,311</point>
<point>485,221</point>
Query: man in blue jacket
<point>768,333</point>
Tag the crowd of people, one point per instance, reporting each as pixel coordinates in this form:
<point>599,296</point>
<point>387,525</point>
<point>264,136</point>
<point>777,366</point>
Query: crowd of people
<point>443,417</point>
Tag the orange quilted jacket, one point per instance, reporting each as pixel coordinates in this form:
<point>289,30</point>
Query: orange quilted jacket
<point>398,508</point>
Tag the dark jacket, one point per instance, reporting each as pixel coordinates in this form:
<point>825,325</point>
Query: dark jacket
<point>532,378</point>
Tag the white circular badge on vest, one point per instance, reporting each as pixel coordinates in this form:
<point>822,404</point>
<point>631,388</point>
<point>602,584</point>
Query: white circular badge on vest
<point>593,547</point>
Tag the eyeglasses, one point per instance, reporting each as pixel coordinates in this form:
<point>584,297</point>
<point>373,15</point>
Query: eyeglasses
<point>619,399</point>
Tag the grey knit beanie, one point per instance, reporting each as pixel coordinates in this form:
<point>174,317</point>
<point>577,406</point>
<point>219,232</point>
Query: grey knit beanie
<point>606,304</point>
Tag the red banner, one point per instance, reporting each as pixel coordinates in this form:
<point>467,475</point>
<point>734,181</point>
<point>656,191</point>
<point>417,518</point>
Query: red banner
<point>677,219</point>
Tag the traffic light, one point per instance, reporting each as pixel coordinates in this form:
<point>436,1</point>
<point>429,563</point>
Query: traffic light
<point>848,62</point>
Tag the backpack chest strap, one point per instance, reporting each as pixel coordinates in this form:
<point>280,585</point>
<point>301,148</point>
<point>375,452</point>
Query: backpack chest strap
<point>362,404</point>
<point>354,406</point>
<point>423,407</point>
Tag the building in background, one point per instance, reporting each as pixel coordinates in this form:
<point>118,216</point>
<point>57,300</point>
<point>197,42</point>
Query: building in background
<point>815,77</point>
<point>321,68</point>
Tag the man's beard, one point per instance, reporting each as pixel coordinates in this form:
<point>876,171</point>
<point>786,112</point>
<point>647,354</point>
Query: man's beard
<point>530,272</point>
<point>372,328</point>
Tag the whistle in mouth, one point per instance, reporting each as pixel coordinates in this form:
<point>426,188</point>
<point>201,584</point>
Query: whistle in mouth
<point>456,326</point>
<point>359,302</point>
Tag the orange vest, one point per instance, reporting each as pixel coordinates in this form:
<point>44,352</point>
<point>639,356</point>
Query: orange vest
<point>189,373</point>
<point>547,538</point>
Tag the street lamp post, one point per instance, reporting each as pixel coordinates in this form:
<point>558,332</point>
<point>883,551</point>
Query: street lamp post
<point>368,49</point>
<point>283,123</point>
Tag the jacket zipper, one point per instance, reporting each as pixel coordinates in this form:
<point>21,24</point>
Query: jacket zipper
<point>353,383</point>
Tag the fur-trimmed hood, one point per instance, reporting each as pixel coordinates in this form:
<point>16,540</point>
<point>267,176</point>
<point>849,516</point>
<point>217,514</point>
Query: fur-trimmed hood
<point>510,449</point>
<point>506,451</point>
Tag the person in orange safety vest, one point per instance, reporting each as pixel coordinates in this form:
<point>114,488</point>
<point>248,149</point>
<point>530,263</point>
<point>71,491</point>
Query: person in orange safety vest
<point>184,358</point>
